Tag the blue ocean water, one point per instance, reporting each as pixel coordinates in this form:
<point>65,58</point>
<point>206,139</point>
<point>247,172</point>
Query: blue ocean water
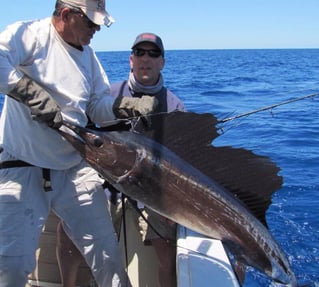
<point>231,82</point>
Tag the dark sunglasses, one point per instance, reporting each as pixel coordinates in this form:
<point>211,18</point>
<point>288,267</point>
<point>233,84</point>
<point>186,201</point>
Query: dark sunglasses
<point>86,19</point>
<point>153,53</point>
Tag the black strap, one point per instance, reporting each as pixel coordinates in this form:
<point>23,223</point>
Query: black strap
<point>122,88</point>
<point>46,179</point>
<point>124,228</point>
<point>20,163</point>
<point>134,204</point>
<point>13,163</point>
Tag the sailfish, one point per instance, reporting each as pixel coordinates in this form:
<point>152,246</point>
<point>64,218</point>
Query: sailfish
<point>169,163</point>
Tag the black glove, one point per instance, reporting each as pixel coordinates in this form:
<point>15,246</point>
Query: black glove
<point>43,107</point>
<point>128,107</point>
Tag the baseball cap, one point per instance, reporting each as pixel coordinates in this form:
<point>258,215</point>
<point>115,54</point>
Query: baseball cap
<point>94,10</point>
<point>150,38</point>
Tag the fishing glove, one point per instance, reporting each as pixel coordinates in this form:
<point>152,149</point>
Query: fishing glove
<point>43,107</point>
<point>128,107</point>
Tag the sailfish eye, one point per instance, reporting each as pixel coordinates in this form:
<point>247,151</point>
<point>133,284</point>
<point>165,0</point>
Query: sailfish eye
<point>98,142</point>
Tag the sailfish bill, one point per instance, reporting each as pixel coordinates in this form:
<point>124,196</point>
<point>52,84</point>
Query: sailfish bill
<point>171,166</point>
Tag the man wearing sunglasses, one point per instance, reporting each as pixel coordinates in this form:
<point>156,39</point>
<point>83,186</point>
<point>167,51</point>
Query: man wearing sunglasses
<point>51,74</point>
<point>145,78</point>
<point>147,60</point>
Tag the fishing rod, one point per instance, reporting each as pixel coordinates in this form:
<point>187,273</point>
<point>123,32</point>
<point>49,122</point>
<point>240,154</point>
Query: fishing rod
<point>267,108</point>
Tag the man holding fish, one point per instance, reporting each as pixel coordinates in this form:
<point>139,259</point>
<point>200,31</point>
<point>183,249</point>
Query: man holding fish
<point>51,75</point>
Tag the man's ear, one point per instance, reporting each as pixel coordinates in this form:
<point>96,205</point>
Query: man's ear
<point>131,63</point>
<point>65,13</point>
<point>163,63</point>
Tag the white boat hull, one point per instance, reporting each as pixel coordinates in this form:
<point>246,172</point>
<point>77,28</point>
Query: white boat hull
<point>202,261</point>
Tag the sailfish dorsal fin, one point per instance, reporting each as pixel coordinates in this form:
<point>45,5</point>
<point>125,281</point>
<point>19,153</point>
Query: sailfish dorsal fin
<point>251,178</point>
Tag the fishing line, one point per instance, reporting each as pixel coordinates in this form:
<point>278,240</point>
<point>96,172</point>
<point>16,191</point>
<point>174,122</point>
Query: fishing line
<point>132,120</point>
<point>267,108</point>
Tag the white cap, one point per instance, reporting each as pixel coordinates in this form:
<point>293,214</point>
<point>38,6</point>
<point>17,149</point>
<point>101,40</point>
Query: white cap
<point>94,10</point>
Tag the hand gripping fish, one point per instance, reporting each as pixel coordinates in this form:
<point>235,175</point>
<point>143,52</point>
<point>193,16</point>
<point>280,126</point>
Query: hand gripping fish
<point>172,167</point>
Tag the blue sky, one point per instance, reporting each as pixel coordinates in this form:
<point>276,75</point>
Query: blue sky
<point>202,24</point>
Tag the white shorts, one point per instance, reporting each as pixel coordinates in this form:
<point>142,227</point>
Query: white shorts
<point>77,197</point>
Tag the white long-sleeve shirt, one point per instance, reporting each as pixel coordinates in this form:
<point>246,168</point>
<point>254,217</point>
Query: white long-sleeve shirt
<point>74,78</point>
